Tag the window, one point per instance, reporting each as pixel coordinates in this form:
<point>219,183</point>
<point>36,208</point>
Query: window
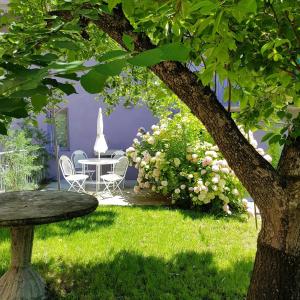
<point>62,129</point>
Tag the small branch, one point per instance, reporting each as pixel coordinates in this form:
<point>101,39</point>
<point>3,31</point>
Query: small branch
<point>202,58</point>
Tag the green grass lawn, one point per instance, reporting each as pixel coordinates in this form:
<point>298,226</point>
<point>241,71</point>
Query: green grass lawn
<point>140,253</point>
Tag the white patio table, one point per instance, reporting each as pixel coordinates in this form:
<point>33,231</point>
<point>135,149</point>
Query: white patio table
<point>98,163</point>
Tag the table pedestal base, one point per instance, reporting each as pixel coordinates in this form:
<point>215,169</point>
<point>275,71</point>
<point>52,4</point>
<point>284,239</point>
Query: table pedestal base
<point>21,281</point>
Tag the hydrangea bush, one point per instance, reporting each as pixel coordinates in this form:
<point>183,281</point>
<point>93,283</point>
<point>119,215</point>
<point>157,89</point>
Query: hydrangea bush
<point>179,159</point>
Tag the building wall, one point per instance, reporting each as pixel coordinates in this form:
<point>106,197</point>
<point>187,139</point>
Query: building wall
<point>120,128</point>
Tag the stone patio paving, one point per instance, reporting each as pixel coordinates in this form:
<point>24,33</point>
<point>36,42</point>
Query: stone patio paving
<point>128,198</point>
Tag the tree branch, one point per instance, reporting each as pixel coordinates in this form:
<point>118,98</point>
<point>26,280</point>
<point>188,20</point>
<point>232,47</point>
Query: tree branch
<point>256,174</point>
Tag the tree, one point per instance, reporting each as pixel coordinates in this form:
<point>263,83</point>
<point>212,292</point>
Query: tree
<point>253,45</point>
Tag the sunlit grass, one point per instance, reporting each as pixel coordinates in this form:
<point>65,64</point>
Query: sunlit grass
<point>143,253</point>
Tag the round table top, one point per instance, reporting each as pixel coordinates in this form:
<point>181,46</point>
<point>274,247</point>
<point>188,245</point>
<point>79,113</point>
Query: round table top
<point>97,161</point>
<point>41,207</point>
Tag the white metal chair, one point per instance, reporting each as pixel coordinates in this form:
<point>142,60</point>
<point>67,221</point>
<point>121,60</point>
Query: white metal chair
<point>76,181</point>
<point>113,180</point>
<point>117,154</point>
<point>75,157</point>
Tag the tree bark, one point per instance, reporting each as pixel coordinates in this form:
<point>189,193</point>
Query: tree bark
<point>275,276</point>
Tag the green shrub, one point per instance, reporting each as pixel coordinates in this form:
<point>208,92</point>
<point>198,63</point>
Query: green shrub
<point>179,159</point>
<point>21,160</point>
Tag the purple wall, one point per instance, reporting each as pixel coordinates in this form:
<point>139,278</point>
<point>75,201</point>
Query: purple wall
<point>120,127</point>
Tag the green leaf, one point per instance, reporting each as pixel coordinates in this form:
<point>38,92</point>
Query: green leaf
<point>281,114</point>
<point>3,129</point>
<point>275,139</point>
<point>93,82</point>
<point>113,3</point>
<point>28,93</point>
<point>267,136</point>
<point>128,42</point>
<point>10,105</point>
<point>174,51</point>
<point>71,76</point>
<point>38,102</point>
<point>111,68</point>
<point>112,54</point>
<point>66,45</point>
<point>68,67</point>
<point>147,58</point>
<point>243,8</point>
<point>18,113</point>
<point>67,88</point>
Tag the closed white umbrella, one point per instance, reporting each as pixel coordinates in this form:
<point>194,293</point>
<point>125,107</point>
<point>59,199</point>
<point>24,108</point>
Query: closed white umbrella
<point>100,143</point>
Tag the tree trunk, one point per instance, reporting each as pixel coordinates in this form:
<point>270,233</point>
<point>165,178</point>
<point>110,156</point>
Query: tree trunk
<point>276,275</point>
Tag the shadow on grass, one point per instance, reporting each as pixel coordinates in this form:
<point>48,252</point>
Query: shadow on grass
<point>85,224</point>
<point>195,214</point>
<point>131,276</point>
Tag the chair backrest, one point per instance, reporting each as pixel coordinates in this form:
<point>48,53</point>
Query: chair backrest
<point>76,156</point>
<point>121,166</point>
<point>117,154</point>
<point>66,166</point>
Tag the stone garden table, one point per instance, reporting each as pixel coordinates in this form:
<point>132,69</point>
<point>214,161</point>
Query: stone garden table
<point>21,211</point>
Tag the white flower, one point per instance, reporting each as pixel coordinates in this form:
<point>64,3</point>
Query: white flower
<point>207,161</point>
<point>147,184</point>
<point>214,187</point>
<point>204,189</point>
<point>215,148</point>
<point>176,162</point>
<point>154,127</point>
<point>225,170</point>
<point>268,158</point>
<point>261,151</point>
<point>254,143</point>
<point>235,192</point>
<point>190,176</point>
<point>215,179</point>
<point>139,134</point>
<point>245,202</point>
<point>215,168</point>
<point>136,141</point>
<point>211,153</point>
<point>226,208</point>
<point>177,191</point>
<point>158,154</point>
<point>153,188</point>
<point>136,189</point>
<point>183,186</point>
<point>138,159</point>
<point>203,172</point>
<point>196,189</point>
<point>130,149</point>
<point>194,156</point>
<point>191,189</point>
<point>151,140</point>
<point>164,183</point>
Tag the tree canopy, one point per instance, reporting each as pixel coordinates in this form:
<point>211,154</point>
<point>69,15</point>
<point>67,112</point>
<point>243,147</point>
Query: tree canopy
<point>252,47</point>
